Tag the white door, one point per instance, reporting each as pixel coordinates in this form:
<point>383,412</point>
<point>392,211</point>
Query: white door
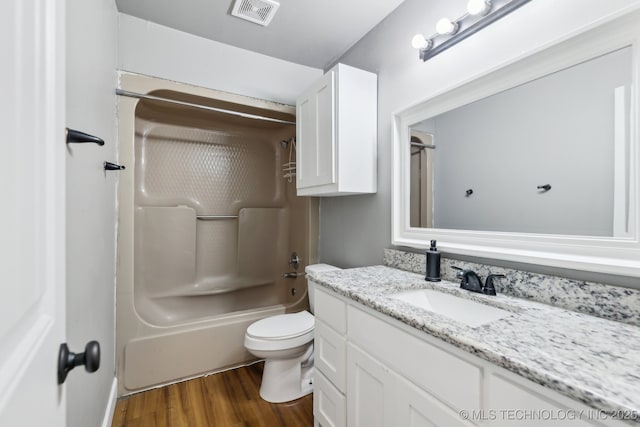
<point>32,233</point>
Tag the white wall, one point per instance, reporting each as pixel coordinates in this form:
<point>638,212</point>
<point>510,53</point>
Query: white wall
<point>354,230</point>
<point>148,48</point>
<point>91,203</point>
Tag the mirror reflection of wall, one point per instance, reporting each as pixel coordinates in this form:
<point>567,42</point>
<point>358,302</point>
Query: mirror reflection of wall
<point>421,179</point>
<point>569,129</point>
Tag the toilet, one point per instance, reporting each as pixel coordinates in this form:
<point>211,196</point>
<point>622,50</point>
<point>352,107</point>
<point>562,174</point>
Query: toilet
<point>285,342</point>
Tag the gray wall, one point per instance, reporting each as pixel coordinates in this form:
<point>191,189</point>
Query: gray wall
<point>91,203</point>
<point>556,130</point>
<point>354,230</point>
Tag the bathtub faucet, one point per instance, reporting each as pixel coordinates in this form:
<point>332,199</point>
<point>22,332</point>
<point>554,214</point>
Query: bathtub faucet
<point>292,275</point>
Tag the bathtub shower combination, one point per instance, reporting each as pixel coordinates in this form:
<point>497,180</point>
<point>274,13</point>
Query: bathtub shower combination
<point>207,227</point>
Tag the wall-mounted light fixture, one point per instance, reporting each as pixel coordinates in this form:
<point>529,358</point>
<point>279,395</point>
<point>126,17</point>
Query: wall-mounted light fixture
<point>480,13</point>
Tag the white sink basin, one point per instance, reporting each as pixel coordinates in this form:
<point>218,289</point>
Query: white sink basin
<point>462,310</point>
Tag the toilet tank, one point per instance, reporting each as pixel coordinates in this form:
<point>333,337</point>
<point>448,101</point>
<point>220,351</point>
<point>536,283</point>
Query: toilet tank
<point>311,269</point>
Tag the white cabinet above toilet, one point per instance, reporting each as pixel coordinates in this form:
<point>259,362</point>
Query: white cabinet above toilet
<point>337,134</point>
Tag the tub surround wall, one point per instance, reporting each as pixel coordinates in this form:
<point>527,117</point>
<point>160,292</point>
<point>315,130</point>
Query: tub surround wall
<point>187,289</point>
<point>587,358</point>
<point>596,299</point>
<point>191,163</point>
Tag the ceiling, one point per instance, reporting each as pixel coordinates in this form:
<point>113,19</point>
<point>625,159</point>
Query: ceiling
<point>313,33</point>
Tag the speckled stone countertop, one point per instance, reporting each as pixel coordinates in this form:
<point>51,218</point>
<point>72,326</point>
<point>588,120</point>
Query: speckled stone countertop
<point>596,299</point>
<point>590,359</point>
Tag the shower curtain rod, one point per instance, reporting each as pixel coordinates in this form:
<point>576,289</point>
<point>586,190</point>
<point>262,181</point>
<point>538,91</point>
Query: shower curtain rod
<point>202,107</point>
<point>423,145</point>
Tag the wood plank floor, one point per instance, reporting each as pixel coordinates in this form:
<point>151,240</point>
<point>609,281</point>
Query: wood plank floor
<point>229,399</point>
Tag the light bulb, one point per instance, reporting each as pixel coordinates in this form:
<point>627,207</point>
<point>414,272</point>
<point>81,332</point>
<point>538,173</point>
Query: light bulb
<point>444,26</point>
<point>478,7</point>
<point>419,42</point>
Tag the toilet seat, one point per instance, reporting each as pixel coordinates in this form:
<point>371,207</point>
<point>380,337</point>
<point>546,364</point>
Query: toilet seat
<point>280,332</point>
<point>282,326</point>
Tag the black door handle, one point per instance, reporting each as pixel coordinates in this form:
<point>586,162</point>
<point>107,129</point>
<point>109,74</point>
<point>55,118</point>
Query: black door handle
<point>68,360</point>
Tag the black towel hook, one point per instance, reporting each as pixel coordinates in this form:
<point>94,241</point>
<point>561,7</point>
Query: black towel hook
<point>544,188</point>
<point>108,166</point>
<point>77,137</point>
<point>468,192</point>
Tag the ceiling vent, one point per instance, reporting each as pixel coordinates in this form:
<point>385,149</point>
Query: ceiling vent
<point>257,11</point>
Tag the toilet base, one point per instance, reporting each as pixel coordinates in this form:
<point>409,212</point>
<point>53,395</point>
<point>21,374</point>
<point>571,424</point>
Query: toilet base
<point>284,380</point>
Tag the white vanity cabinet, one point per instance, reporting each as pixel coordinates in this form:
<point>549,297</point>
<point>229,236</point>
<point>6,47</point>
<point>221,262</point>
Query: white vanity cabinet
<point>329,403</point>
<point>336,134</point>
<point>372,371</point>
<point>514,401</point>
<point>413,382</point>
<point>379,397</point>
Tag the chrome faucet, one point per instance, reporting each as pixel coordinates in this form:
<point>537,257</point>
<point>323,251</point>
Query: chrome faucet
<point>294,261</point>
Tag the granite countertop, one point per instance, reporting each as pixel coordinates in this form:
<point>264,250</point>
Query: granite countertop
<point>590,359</point>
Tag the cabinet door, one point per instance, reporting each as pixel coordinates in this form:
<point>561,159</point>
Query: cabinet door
<point>328,403</point>
<point>414,407</point>
<point>435,368</point>
<point>316,141</point>
<point>369,391</point>
<point>330,354</point>
<point>511,403</point>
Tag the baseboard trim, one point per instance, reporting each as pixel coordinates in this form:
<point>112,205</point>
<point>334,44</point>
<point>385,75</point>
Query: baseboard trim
<point>111,404</point>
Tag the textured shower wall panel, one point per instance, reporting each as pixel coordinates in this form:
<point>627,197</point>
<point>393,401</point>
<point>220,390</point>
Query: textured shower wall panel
<point>215,172</point>
<point>185,172</point>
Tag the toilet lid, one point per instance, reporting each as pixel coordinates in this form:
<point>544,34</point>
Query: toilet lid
<point>282,326</point>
